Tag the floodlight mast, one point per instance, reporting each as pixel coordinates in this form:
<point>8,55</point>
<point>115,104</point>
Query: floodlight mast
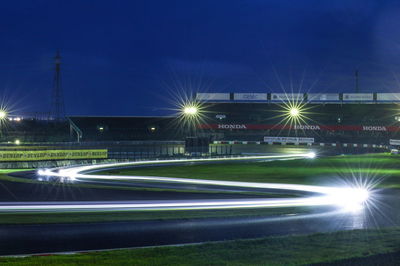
<point>190,113</point>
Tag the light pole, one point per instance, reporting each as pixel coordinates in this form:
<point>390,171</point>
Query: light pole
<point>190,113</point>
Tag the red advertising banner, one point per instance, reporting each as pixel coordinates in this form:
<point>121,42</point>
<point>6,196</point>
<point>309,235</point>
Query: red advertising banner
<point>299,127</point>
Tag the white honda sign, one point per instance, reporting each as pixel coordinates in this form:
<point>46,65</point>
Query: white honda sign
<point>288,140</point>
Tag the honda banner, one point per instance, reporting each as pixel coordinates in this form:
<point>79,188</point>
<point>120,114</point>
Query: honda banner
<point>233,126</point>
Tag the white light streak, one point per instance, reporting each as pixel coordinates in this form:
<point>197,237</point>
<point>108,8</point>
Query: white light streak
<point>347,198</point>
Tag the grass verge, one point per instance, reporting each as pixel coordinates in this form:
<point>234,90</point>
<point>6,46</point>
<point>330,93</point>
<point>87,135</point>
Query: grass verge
<point>288,250</point>
<point>384,168</point>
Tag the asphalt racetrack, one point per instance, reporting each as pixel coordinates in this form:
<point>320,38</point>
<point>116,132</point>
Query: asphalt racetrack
<point>328,214</point>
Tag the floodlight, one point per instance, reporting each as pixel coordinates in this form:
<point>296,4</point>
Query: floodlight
<point>3,114</point>
<point>190,110</point>
<point>190,115</point>
<point>17,142</point>
<point>294,111</point>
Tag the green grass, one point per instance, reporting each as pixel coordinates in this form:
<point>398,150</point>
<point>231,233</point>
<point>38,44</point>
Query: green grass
<point>7,171</point>
<point>316,171</point>
<point>288,250</point>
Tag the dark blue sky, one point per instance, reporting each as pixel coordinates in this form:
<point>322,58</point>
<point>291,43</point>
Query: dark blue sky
<point>126,57</point>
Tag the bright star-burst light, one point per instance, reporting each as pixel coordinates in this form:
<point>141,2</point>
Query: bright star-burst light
<point>294,112</point>
<point>357,192</point>
<point>191,113</point>
<point>351,199</point>
<point>190,110</point>
<point>311,155</point>
<point>3,114</point>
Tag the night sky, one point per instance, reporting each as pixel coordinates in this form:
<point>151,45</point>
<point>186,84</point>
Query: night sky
<point>131,57</point>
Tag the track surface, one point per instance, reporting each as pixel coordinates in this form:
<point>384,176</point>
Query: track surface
<point>26,239</point>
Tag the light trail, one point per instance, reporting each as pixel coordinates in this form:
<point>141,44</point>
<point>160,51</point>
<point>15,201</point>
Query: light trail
<point>161,205</point>
<point>347,197</point>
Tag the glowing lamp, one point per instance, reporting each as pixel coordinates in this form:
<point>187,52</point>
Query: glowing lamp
<point>3,114</point>
<point>190,110</point>
<point>294,111</point>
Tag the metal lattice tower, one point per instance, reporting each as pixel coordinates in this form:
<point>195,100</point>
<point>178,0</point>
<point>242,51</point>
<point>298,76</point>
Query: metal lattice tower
<point>57,105</point>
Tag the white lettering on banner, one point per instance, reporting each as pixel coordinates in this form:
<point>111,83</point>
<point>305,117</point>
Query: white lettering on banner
<point>288,140</point>
<point>358,96</point>
<point>287,97</point>
<point>316,97</point>
<point>227,126</point>
<point>394,141</point>
<point>395,97</point>
<point>213,96</point>
<point>374,128</point>
<point>307,127</point>
<point>250,96</point>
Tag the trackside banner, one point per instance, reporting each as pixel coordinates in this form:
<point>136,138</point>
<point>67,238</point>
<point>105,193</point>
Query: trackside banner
<point>394,142</point>
<point>288,140</point>
<point>52,155</point>
<point>300,127</point>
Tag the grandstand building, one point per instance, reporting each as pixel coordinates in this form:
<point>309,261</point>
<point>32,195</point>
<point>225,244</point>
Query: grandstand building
<point>370,118</point>
<point>364,118</point>
<point>126,128</point>
<point>34,129</point>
